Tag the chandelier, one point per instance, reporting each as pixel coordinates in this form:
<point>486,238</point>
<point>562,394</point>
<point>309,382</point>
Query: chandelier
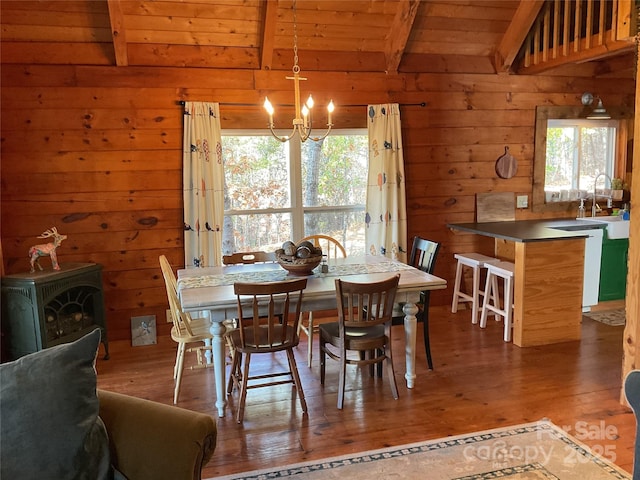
<point>302,120</point>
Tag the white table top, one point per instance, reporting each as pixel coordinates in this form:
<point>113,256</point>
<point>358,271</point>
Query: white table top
<point>211,288</point>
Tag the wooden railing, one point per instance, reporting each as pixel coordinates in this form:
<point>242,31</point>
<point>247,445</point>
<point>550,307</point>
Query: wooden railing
<point>574,31</point>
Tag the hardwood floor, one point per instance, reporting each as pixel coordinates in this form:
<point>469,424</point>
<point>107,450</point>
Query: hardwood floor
<point>479,382</point>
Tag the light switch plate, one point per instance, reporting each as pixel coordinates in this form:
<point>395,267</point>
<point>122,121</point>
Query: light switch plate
<point>522,201</point>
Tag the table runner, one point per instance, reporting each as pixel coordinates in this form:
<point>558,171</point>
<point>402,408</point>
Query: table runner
<point>281,274</point>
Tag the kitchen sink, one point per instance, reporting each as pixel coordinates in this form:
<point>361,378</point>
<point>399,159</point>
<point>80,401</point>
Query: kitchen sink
<point>616,227</point>
<point>577,228</point>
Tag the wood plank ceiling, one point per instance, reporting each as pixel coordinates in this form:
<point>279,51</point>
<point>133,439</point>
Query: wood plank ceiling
<point>472,36</point>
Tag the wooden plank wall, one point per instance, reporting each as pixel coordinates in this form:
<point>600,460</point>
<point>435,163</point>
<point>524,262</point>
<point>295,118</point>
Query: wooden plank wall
<point>96,151</point>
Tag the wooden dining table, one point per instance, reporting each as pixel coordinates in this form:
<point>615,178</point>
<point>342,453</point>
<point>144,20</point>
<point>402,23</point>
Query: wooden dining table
<point>210,289</point>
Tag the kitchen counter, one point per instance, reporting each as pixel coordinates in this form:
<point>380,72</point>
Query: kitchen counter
<point>549,269</point>
<point>530,230</point>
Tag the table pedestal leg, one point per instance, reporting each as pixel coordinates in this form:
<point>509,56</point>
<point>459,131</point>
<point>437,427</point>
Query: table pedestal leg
<point>410,331</point>
<point>207,354</point>
<point>218,330</point>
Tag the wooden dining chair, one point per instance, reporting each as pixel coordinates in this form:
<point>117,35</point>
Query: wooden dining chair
<point>332,248</point>
<point>423,257</point>
<point>368,335</point>
<point>424,254</point>
<point>268,315</point>
<point>186,330</point>
<point>244,258</point>
<point>249,258</point>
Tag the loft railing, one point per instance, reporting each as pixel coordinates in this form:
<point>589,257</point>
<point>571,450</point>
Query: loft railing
<point>574,31</point>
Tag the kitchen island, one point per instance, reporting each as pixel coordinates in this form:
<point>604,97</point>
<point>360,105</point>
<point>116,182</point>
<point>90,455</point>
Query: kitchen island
<point>549,269</point>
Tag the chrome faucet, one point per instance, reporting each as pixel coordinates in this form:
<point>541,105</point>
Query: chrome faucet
<point>594,207</point>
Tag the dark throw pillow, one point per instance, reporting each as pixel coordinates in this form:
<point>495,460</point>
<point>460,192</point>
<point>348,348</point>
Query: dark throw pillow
<point>49,424</point>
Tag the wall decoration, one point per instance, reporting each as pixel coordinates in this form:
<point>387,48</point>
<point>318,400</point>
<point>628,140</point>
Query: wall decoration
<point>143,330</point>
<point>46,249</point>
<point>506,165</point>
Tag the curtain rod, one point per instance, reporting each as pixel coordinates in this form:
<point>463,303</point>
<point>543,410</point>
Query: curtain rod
<point>421,104</point>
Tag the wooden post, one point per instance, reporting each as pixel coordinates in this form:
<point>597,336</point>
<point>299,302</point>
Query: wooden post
<point>1,262</point>
<point>631,354</point>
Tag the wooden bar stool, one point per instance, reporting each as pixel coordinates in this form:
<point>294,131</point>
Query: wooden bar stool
<point>475,261</point>
<point>503,270</point>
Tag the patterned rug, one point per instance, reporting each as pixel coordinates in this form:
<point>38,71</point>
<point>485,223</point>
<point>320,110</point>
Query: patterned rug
<point>534,451</point>
<point>609,317</point>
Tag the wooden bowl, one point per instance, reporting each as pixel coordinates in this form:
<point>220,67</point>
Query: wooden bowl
<point>298,266</point>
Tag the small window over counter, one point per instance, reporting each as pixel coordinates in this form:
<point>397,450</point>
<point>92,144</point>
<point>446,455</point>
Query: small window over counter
<point>577,151</point>
<point>571,152</point>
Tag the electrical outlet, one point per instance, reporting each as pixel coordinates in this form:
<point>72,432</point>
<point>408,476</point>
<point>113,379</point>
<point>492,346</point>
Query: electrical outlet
<point>522,201</point>
<point>168,314</point>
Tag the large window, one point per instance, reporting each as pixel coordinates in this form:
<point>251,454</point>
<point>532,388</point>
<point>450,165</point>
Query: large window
<point>284,191</point>
<point>577,152</point>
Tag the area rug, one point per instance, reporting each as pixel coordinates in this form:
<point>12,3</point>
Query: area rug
<point>533,451</point>
<point>609,317</point>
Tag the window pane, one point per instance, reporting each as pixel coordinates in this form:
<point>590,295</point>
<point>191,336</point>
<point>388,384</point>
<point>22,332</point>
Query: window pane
<point>328,179</point>
<point>596,155</point>
<point>562,149</point>
<point>256,173</point>
<point>346,227</point>
<point>257,231</point>
<point>577,151</point>
<point>334,178</point>
<point>334,171</point>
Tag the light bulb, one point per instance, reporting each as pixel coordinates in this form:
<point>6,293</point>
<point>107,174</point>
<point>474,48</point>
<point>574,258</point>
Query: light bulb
<point>267,106</point>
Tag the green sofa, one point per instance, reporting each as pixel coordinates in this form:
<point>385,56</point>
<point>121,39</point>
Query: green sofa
<point>153,440</point>
<point>55,424</point>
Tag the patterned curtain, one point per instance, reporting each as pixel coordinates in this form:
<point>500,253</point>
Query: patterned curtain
<point>386,212</point>
<point>203,183</point>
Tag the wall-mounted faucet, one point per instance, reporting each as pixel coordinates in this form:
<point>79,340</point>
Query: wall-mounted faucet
<point>594,207</point>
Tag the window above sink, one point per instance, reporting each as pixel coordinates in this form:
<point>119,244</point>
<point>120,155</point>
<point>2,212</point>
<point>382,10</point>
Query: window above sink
<point>577,151</point>
<point>570,151</point>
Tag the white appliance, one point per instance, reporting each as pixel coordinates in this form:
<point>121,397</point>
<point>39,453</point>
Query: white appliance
<point>592,260</point>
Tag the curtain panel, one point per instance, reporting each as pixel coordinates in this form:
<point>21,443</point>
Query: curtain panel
<point>386,211</point>
<point>203,184</point>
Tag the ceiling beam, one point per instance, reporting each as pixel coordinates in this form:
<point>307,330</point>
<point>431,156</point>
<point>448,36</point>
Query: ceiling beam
<point>399,33</point>
<point>118,32</point>
<point>516,33</point>
<point>268,34</point>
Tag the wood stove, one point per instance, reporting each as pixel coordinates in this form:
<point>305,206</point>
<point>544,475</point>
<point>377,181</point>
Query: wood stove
<point>50,307</point>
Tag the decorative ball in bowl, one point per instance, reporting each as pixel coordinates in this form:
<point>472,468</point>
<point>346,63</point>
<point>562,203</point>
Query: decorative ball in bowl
<point>299,259</point>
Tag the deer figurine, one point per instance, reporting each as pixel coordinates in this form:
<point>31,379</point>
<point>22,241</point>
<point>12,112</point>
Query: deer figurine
<point>45,249</point>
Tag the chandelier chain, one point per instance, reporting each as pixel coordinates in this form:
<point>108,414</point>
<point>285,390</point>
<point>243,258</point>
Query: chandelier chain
<point>296,68</point>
